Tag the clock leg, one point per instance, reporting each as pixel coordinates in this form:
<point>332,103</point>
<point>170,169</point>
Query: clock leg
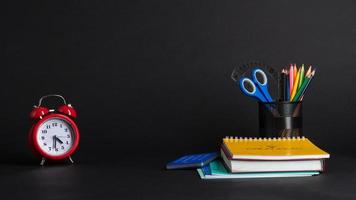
<point>71,160</point>
<point>43,161</point>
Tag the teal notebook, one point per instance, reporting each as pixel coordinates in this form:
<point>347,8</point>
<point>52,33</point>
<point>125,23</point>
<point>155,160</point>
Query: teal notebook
<point>218,171</point>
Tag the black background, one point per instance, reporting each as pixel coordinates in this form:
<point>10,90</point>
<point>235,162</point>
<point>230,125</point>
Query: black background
<point>151,81</point>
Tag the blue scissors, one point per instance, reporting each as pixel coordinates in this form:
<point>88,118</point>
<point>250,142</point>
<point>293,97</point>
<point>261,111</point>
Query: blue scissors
<point>256,88</point>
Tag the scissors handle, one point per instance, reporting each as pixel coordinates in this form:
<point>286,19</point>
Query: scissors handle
<point>261,84</point>
<point>248,87</point>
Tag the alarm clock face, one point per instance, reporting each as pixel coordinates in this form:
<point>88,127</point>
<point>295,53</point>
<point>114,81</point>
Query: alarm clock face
<point>55,136</point>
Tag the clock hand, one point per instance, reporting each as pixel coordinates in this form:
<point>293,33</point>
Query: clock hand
<point>59,140</point>
<point>54,142</point>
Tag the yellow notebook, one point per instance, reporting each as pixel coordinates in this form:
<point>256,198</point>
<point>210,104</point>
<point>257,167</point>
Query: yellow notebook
<point>298,148</point>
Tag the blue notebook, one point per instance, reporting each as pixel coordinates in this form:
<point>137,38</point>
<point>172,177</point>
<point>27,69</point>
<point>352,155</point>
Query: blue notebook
<point>192,161</point>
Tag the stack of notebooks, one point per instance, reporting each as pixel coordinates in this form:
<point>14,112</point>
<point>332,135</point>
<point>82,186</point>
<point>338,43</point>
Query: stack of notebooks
<point>265,157</point>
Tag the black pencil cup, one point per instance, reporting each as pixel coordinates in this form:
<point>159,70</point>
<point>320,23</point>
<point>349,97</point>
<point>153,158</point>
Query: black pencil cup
<point>280,119</point>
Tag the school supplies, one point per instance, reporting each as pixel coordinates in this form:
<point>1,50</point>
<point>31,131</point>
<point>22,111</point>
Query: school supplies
<point>282,85</point>
<point>257,86</point>
<point>272,154</point>
<point>272,148</point>
<point>298,80</point>
<point>304,86</point>
<point>192,161</point>
<point>286,86</point>
<point>260,77</point>
<point>283,156</point>
<point>292,86</point>
<point>295,84</point>
<point>290,82</point>
<point>309,71</point>
<point>302,76</point>
<point>291,78</point>
<point>217,170</point>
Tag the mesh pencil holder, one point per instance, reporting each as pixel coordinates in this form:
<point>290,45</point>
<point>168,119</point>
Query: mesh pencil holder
<point>280,119</point>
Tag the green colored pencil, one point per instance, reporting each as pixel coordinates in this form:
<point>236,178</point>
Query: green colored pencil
<point>305,85</point>
<point>301,89</point>
<point>302,76</point>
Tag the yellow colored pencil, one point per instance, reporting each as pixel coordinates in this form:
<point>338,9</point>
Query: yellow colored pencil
<point>295,85</point>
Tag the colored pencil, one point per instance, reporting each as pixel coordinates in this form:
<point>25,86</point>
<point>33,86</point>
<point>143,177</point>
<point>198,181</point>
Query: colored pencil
<point>295,71</point>
<point>309,71</point>
<point>291,79</point>
<point>287,92</point>
<point>301,89</point>
<point>295,85</point>
<point>302,76</point>
<point>306,87</point>
<point>282,80</point>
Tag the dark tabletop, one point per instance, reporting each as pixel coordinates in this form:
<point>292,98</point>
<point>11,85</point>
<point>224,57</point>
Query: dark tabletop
<point>137,177</point>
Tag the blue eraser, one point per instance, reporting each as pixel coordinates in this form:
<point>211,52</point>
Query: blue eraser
<point>192,161</point>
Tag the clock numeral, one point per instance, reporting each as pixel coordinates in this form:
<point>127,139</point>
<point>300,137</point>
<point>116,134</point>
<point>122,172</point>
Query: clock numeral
<point>42,137</point>
<point>49,148</point>
<point>62,147</point>
<point>44,131</point>
<point>68,136</point>
<point>45,144</point>
<point>56,149</point>
<point>65,130</point>
<point>60,125</point>
<point>54,124</point>
<point>48,126</point>
<point>67,142</point>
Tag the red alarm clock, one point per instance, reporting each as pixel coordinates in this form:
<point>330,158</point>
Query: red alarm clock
<point>54,134</point>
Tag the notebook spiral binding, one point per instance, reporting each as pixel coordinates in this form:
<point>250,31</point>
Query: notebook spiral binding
<point>247,139</point>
